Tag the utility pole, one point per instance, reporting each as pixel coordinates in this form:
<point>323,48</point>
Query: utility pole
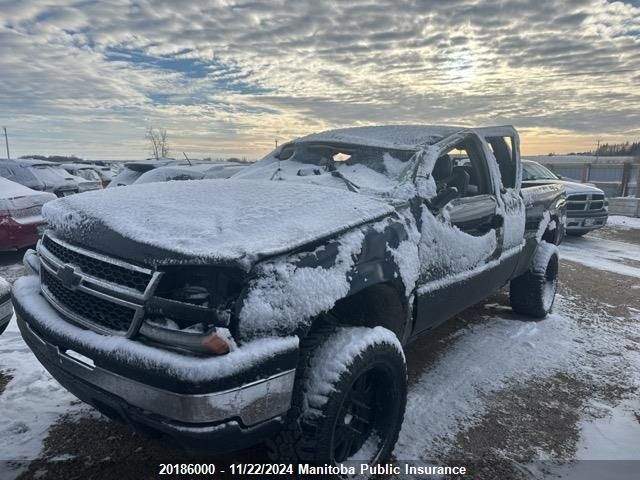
<point>276,143</point>
<point>6,141</point>
<point>597,150</point>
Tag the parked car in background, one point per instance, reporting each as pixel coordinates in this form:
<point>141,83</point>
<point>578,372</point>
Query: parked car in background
<point>88,173</point>
<point>39,175</point>
<point>131,171</point>
<point>6,310</point>
<point>20,214</point>
<point>106,173</point>
<point>587,205</point>
<point>198,171</point>
<point>52,171</point>
<point>170,169</point>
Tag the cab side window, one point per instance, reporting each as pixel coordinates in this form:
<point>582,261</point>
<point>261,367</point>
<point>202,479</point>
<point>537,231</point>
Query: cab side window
<point>502,148</point>
<point>463,167</point>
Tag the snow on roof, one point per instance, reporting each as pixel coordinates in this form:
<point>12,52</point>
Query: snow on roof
<point>9,189</point>
<point>402,137</point>
<point>227,221</point>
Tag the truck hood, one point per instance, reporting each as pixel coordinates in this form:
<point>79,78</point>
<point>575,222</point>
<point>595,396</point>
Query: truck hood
<point>226,222</point>
<point>570,187</point>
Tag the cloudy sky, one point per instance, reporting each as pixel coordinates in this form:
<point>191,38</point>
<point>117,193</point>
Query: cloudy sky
<point>229,77</point>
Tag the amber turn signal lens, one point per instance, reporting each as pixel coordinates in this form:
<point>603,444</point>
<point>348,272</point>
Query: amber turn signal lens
<point>215,344</point>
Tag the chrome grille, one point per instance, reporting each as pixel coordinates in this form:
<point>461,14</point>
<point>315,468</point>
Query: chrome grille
<point>591,202</point>
<point>101,293</point>
<point>109,315</point>
<point>108,271</point>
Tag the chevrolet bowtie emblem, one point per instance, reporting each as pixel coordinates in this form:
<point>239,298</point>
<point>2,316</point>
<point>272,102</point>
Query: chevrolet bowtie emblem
<point>68,276</point>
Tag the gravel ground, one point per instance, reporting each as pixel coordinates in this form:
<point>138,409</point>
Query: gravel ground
<point>510,426</point>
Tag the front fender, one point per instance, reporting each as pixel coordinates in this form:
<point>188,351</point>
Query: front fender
<point>285,294</point>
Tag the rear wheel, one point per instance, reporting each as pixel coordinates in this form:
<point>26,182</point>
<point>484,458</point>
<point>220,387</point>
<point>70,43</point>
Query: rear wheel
<point>350,400</point>
<point>533,292</point>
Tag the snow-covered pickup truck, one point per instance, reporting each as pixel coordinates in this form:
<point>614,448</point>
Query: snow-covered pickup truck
<point>275,305</point>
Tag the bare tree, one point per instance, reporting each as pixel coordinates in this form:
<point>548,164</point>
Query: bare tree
<point>158,142</point>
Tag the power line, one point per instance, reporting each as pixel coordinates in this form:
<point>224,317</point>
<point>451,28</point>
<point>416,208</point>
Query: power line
<point>6,140</point>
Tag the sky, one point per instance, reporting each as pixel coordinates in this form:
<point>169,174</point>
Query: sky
<point>229,78</point>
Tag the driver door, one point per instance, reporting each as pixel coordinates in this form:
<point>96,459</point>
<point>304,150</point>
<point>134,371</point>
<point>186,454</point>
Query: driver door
<point>459,241</point>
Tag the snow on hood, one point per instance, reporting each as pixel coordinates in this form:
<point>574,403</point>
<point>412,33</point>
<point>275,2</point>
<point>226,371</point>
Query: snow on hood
<point>570,187</point>
<point>209,221</point>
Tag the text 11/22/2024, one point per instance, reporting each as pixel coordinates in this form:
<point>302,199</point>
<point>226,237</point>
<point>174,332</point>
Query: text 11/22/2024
<point>266,469</point>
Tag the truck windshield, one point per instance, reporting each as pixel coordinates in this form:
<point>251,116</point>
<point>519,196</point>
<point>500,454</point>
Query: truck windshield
<point>535,171</point>
<point>355,167</point>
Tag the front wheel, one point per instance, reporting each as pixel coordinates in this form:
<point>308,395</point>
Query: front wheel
<point>350,401</point>
<point>534,292</point>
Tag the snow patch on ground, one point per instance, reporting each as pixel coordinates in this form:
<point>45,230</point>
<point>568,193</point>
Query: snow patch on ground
<point>29,405</point>
<point>626,223</point>
<point>602,254</point>
<point>615,436</point>
<point>482,360</point>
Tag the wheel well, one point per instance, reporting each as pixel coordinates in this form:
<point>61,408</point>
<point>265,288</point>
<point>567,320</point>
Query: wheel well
<point>551,236</point>
<point>378,305</point>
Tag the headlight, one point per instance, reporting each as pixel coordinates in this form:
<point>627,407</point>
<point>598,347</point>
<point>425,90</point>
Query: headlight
<point>192,308</point>
<point>217,340</point>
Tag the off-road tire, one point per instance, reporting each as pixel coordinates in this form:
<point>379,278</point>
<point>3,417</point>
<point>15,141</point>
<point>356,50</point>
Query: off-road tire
<point>533,292</point>
<point>3,327</point>
<point>310,434</point>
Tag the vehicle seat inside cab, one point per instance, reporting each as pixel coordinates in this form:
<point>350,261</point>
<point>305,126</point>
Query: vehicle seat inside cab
<point>445,175</point>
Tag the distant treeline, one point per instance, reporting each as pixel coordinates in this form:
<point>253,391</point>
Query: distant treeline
<point>625,149</point>
<point>55,158</point>
<point>619,149</point>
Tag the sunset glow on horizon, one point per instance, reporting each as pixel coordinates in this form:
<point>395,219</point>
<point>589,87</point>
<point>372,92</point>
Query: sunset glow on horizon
<point>227,78</point>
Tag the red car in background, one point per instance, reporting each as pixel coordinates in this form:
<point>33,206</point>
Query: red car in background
<point>20,214</point>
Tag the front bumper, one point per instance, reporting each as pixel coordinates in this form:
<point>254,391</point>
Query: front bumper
<point>196,413</point>
<point>585,221</point>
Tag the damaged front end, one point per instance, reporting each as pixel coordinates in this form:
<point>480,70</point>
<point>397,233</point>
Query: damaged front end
<point>184,308</point>
<point>153,347</point>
